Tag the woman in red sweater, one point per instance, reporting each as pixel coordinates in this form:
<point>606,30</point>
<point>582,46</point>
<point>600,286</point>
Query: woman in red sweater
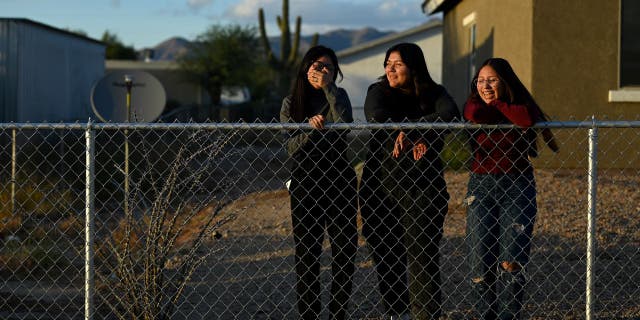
<point>501,195</point>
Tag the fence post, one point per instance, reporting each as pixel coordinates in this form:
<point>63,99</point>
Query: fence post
<point>128,80</point>
<point>13,172</point>
<point>591,220</point>
<point>89,221</point>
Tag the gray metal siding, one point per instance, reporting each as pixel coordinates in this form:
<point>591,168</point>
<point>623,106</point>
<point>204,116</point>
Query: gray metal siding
<point>8,70</point>
<point>52,73</point>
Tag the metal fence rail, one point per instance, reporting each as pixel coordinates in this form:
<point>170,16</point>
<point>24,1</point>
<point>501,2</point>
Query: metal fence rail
<point>193,221</point>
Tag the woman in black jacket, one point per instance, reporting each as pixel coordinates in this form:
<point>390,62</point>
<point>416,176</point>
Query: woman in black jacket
<point>404,197</point>
<point>323,183</point>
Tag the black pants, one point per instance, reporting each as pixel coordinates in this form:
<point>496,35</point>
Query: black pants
<point>424,211</point>
<point>403,224</point>
<point>323,195</point>
<point>385,235</point>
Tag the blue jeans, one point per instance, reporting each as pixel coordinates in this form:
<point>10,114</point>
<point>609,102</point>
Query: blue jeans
<point>500,217</point>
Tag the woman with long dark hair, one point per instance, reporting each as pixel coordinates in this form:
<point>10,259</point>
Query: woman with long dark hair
<point>323,183</point>
<point>403,193</point>
<point>501,196</point>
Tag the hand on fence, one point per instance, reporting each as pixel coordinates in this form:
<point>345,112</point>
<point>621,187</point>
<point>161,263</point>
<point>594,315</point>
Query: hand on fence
<point>419,149</point>
<point>317,121</point>
<point>402,143</point>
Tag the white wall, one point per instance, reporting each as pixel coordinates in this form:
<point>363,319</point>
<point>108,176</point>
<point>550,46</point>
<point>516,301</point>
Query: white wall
<point>362,68</point>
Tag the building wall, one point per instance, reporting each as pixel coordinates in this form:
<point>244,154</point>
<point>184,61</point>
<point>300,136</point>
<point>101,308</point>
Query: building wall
<point>565,52</point>
<point>363,67</point>
<point>577,47</point>
<point>47,74</point>
<point>503,29</point>
<point>575,65</point>
<point>8,70</point>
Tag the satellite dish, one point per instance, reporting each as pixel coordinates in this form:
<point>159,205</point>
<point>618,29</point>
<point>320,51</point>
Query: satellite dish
<point>109,97</point>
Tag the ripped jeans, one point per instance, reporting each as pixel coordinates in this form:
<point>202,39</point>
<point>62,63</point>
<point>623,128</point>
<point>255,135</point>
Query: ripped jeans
<point>500,217</point>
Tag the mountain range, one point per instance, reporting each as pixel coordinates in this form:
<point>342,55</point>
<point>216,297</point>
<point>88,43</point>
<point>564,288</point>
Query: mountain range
<point>338,40</point>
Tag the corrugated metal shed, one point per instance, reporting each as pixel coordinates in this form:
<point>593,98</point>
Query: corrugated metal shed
<point>46,74</point>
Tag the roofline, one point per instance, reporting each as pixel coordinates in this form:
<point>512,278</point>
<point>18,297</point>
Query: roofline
<point>431,24</point>
<point>430,7</point>
<point>52,28</point>
<point>142,65</point>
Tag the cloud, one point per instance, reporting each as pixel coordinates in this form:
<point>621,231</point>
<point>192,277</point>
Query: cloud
<point>115,3</point>
<point>325,15</point>
<point>391,7</point>
<point>198,4</point>
<point>354,14</point>
<point>248,9</point>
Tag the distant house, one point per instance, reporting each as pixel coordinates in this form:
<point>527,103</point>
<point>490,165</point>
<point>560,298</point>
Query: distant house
<point>179,90</point>
<point>578,57</point>
<point>184,93</point>
<point>363,64</point>
<point>46,74</point>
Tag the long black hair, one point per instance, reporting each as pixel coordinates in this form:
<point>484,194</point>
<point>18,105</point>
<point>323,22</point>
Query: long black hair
<point>421,85</point>
<point>513,90</point>
<point>301,88</point>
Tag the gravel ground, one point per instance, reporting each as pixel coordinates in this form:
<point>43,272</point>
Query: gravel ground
<point>250,276</point>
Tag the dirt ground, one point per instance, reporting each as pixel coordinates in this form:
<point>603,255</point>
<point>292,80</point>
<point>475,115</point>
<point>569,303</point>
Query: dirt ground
<point>250,275</point>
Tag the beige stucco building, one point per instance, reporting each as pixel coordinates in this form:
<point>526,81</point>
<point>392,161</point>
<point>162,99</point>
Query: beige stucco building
<point>579,58</point>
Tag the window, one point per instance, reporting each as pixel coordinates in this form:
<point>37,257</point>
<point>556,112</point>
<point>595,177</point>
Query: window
<point>470,22</point>
<point>630,43</point>
<point>472,52</point>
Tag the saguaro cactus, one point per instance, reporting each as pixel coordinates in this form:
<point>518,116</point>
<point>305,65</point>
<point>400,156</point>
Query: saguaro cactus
<point>285,64</point>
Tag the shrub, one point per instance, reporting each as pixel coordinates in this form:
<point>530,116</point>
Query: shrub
<point>455,154</point>
<point>153,251</point>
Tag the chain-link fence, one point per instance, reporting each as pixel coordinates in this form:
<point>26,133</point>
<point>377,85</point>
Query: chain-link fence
<point>193,221</point>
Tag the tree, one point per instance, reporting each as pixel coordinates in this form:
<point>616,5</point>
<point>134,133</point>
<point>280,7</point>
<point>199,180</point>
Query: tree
<point>224,56</point>
<point>286,64</point>
<point>116,50</point>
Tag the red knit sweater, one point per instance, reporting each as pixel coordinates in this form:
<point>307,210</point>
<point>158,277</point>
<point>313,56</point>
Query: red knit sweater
<point>499,150</point>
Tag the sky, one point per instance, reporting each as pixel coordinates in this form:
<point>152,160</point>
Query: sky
<point>146,23</point>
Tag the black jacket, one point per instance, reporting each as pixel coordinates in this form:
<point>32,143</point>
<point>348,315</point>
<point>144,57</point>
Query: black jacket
<point>385,104</point>
<point>334,104</point>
